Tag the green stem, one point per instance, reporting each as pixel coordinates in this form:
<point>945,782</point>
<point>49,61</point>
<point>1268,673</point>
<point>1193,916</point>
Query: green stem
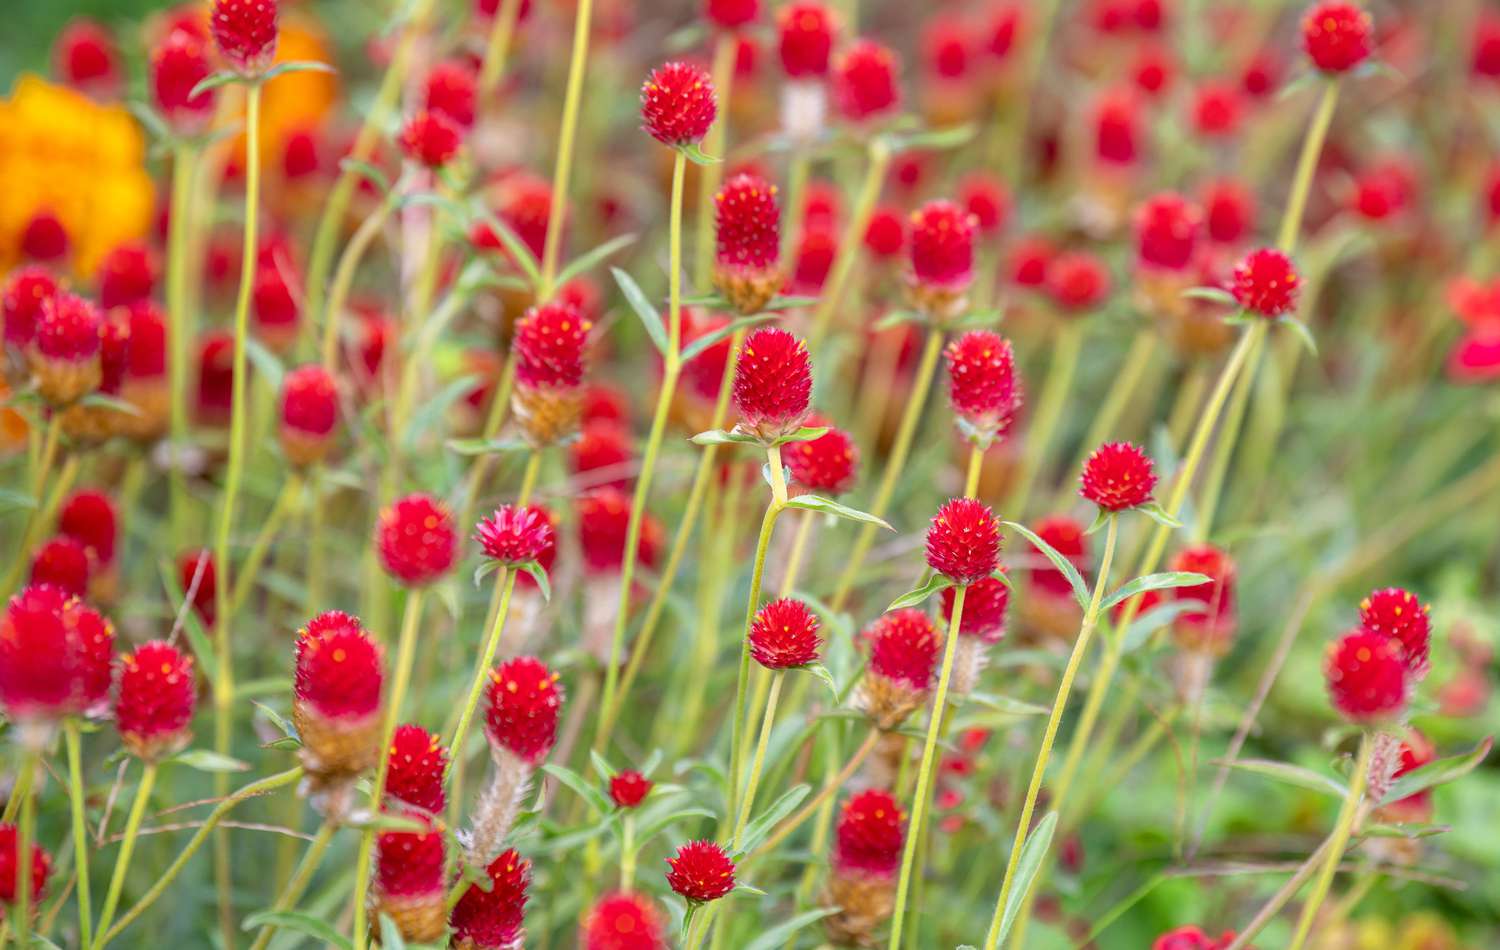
<point>832,785</point>
<point>577,66</point>
<point>1127,378</point>
<point>80,832</point>
<point>314,555</point>
<point>300,879</point>
<point>127,847</point>
<point>796,186</point>
<point>1059,704</point>
<point>1337,842</point>
<point>497,52</point>
<point>343,276</point>
<point>1048,412</point>
<point>184,162</point>
<point>1307,164</point>
<point>741,690</point>
<point>627,851</point>
<point>1218,466</point>
<point>245,582</point>
<point>25,836</point>
<point>499,406</point>
<point>852,244</point>
<point>726,45</point>
<point>757,763</point>
<point>505,583</point>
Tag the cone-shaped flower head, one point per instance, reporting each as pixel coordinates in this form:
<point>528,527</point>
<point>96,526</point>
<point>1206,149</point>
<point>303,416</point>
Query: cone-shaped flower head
<point>1166,231</point>
<point>431,139</point>
<point>942,248</point>
<point>963,541</point>
<point>245,32</point>
<point>416,539</point>
<point>418,762</point>
<point>492,918</point>
<point>10,868</point>
<point>772,384</point>
<point>982,383</point>
<point>828,464</point>
<point>604,522</point>
<point>747,262</point>
<point>336,696</point>
<point>1336,36</point>
<point>156,699</point>
<point>309,413</point>
<point>90,517</point>
<point>64,352</point>
<point>731,14</point>
<point>870,833</point>
<point>178,64</point>
<point>1118,476</point>
<point>26,296</point>
<point>784,634</point>
<point>1266,283</point>
<point>700,871</point>
<point>62,562</point>
<point>984,609</point>
<point>678,104</point>
<point>1398,614</point>
<point>806,33</point>
<point>1210,623</point>
<point>55,655</point>
<point>523,704</point>
<point>411,878</point>
<point>629,788</point>
<point>1368,681</point>
<point>867,81</point>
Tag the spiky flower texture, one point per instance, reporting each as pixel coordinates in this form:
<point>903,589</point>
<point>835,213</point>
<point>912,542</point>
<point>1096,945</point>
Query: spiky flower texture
<point>1336,36</point>
<point>1118,476</point>
<point>491,917</point>
<point>1265,283</point>
<point>416,540</point>
<point>700,871</point>
<point>523,704</point>
<point>982,383</point>
<point>155,701</point>
<point>1368,681</point>
<point>678,104</point>
<point>1401,616</point>
<point>942,256</point>
<point>629,788</point>
<point>828,464</point>
<point>624,921</point>
<point>245,32</point>
<point>515,535</point>
<point>336,697</point>
<point>747,263</point>
<point>963,541</point>
<point>784,634</point>
<point>772,384</point>
<point>415,774</point>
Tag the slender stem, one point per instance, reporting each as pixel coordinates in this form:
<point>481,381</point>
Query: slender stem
<point>405,650</point>
<point>1218,466</point>
<point>627,851</point>
<point>25,779</point>
<point>1059,704</point>
<point>971,476</point>
<point>794,559</point>
<point>726,46</point>
<point>796,186</point>
<point>300,879</point>
<point>852,244</point>
<point>756,764</point>
<point>741,689</point>
<point>497,52</point>
<point>184,164</point>
<point>1048,412</point>
<point>1337,842</point>
<point>343,276</point>
<point>270,783</point>
<point>80,832</point>
<point>25,836</point>
<point>1279,900</point>
<point>41,514</point>
<point>505,583</point>
<point>245,582</point>
<point>833,784</point>
<point>1307,164</point>
<point>313,559</point>
<point>1122,389</point>
<point>127,847</point>
<point>924,772</point>
<point>499,406</point>
<point>577,65</point>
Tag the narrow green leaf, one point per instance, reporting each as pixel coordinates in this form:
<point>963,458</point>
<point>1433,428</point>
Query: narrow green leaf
<point>205,760</point>
<point>1162,581</point>
<point>696,155</point>
<point>1212,295</point>
<point>1009,706</point>
<point>1063,565</point>
<point>829,506</point>
<point>580,785</point>
<point>896,318</point>
<point>822,673</point>
<point>516,247</point>
<point>1289,774</point>
<point>587,261</point>
<point>276,719</point>
<point>641,305</point>
<point>919,595</point>
<point>213,81</point>
<point>297,66</point>
<point>106,401</point>
<point>804,434</point>
<point>487,446</point>
<point>390,934</point>
<point>298,922</point>
<point>601,765</point>
<point>723,437</point>
<point>368,172</point>
<point>267,364</point>
<point>779,303</point>
<point>1158,514</point>
<point>1142,627</point>
<point>932,139</point>
<point>12,500</point>
<point>485,569</point>
<point>761,825</point>
<point>709,339</point>
<point>1303,333</point>
<point>777,936</point>
<point>539,574</point>
<point>1026,869</point>
<point>1440,772</point>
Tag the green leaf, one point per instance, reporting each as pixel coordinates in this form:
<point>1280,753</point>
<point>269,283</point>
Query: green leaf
<point>1142,627</point>
<point>1409,832</point>
<point>1303,333</point>
<point>709,339</point>
<point>643,309</point>
<point>601,765</point>
<point>485,569</point>
<point>829,506</point>
<point>586,262</point>
<point>267,364</point>
<point>918,595</point>
<point>724,437</point>
<point>779,303</point>
<point>1009,706</point>
<point>516,247</point>
<point>205,760</point>
<point>1026,869</point>
<point>292,920</point>
<point>932,139</point>
<point>1289,774</point>
<point>1063,565</point>
<point>804,434</point>
<point>213,81</point>
<point>487,446</point>
<point>647,830</point>
<point>368,172</point>
<point>584,789</point>
<point>1158,514</point>
<point>777,936</point>
<point>1211,294</point>
<point>896,318</point>
<point>1440,772</point>
<point>390,934</point>
<point>106,401</point>
<point>696,155</point>
<point>1162,581</point>
<point>298,66</point>
<point>538,574</point>
<point>822,673</point>
<point>12,500</point>
<point>756,831</point>
<point>427,418</point>
<point>153,122</point>
<point>1100,520</point>
<point>276,719</point>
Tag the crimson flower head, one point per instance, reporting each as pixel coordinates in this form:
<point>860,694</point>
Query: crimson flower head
<point>678,104</point>
<point>515,535</point>
<point>1192,938</point>
<point>411,878</point>
<point>624,921</point>
<point>10,867</point>
<point>942,245</point>
<point>1077,282</point>
<point>1416,751</point>
<point>700,871</point>
<point>63,563</point>
<point>1210,623</point>
<point>784,634</point>
<point>26,295</point>
<point>1066,536</point>
<point>984,609</point>
<point>55,655</point>
<point>1368,681</point>
<point>491,918</point>
<point>904,646</point>
<point>451,89</point>
<point>64,353</point>
<point>885,237</point>
<point>524,700</point>
<point>982,384</point>
<point>604,447</point>
<point>178,64</point>
<point>416,539</point>
<point>1399,615</point>
<point>89,516</point>
<point>772,384</point>
<point>1266,283</point>
<point>309,413</point>
<point>867,81</point>
<point>746,265</point>
<point>1117,476</point>
<point>1216,110</point>
<point>431,138</point>
<point>828,464</point>
<point>126,275</point>
<point>731,14</point>
<point>1117,128</point>
<point>1336,36</point>
<point>1229,211</point>
<point>806,39</point>
<point>987,201</point>
<point>418,761</point>
<point>85,57</point>
<point>340,669</point>
<point>870,834</point>
<point>156,699</point>
<point>629,788</point>
<point>245,32</point>
<point>963,542</point>
<point>603,522</point>
<point>1166,229</point>
<point>549,345</point>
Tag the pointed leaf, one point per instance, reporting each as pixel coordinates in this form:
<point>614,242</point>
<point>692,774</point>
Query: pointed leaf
<point>1211,294</point>
<point>267,364</point>
<point>319,930</point>
<point>1293,775</point>
<point>756,831</point>
<point>297,66</point>
<point>1162,581</point>
<point>1031,861</point>
<point>487,446</point>
<point>932,139</point>
<point>484,570</point>
<point>724,437</point>
<point>205,760</point>
<point>1142,627</point>
<point>213,81</point>
<point>896,318</point>
<point>779,303</point>
<point>696,155</point>
<point>516,247</point>
<point>601,765</point>
<point>1303,333</point>
<point>804,434</point>
<point>709,339</point>
<point>822,673</point>
<point>539,574</point>
<point>777,936</point>
<point>1158,514</point>
<point>585,789</point>
<point>1440,772</point>
<point>643,309</point>
<point>1009,706</point>
<point>390,934</point>
<point>1063,565</point>
<point>368,172</point>
<point>106,401</point>
<point>829,506</point>
<point>426,419</point>
<point>588,260</point>
<point>918,595</point>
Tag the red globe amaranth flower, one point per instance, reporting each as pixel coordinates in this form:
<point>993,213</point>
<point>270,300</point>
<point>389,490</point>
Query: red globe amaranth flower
<point>624,921</point>
<point>302,156</point>
<point>1399,615</point>
<point>870,834</point>
<point>411,878</point>
<point>1005,24</point>
<point>45,239</point>
<point>885,236</point>
<point>867,81</point>
<point>1065,536</point>
<point>1117,127</point>
<point>336,697</point>
<point>772,384</point>
<point>985,198</point>
<point>245,32</point>
<point>603,521</point>
<point>1216,110</point>
<point>1262,75</point>
<point>1266,283</point>
<point>10,868</point>
<point>828,464</point>
<point>1368,681</point>
<point>784,634</point>
<point>1154,70</point>
<point>1229,211</point>
<point>85,57</point>
<point>1485,62</point>
<point>1192,938</point>
<point>416,540</point>
<point>904,646</point>
<point>523,701</point>
<point>418,761</point>
<point>1166,231</point>
<point>629,788</point>
<point>198,579</point>
<point>963,542</point>
<point>1077,282</point>
<point>486,9</point>
<point>984,609</point>
<point>275,308</point>
<point>549,345</point>
<point>155,702</point>
<point>806,39</point>
<point>215,378</point>
<point>431,138</point>
<point>942,246</point>
<point>747,262</point>
<point>1211,625</point>
<point>678,104</point>
<point>700,872</point>
<point>602,455</point>
<point>309,413</point>
<point>514,536</point>
<point>982,384</point>
<point>1416,751</point>
<point>1118,476</point>
<point>451,90</point>
<point>731,14</point>
<point>126,275</point>
<point>945,48</point>
<point>1029,261</point>
<point>63,563</point>
<point>55,655</point>
<point>178,64</point>
<point>1385,189</point>
<point>26,296</point>
<point>64,353</point>
<point>492,919</point>
<point>89,516</point>
<point>1336,36</point>
<point>816,248</point>
<point>704,373</point>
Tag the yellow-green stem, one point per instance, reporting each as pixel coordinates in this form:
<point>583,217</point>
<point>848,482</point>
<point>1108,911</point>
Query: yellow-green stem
<point>971,476</point>
<point>796,185</point>
<point>313,560</point>
<point>81,843</point>
<point>851,245</point>
<point>245,582</point>
<point>1048,412</point>
<point>741,689</point>
<point>1307,164</point>
<point>834,783</point>
<point>184,161</point>
<point>1121,391</point>
<point>343,277</point>
<point>25,836</point>
<point>726,45</point>
<point>795,557</point>
<point>127,848</point>
<point>747,803</point>
<point>627,852</point>
<point>300,879</point>
<point>497,51</point>
<point>567,134</point>
<point>499,406</point>
<point>505,584</point>
<point>1218,466</point>
<point>1337,843</point>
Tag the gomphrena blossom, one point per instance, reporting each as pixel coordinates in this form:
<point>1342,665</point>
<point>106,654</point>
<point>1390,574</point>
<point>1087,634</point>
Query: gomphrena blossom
<point>1416,750</point>
<point>1209,624</point>
<point>27,293</point>
<point>309,414</point>
<point>85,56</point>
<point>55,659</point>
<point>416,768</point>
<point>549,348</point>
<point>700,871</point>
<point>772,386</point>
<point>431,139</point>
<point>731,14</point>
<point>982,384</point>
<point>784,634</point>
<point>747,266</point>
<point>1368,681</point>
<point>1077,282</point>
<point>127,275</point>
<point>1167,227</point>
<point>1266,283</point>
<point>603,522</point>
<point>451,90</point>
<point>827,465</point>
<point>64,350</point>
<point>941,257</point>
<point>522,703</point>
<point>336,700</point>
<point>624,921</point>
<point>89,516</point>
<point>245,32</point>
<point>986,199</point>
<point>61,562</point>
<point>10,870</point>
<point>963,541</point>
<point>628,788</point>
<point>885,236</point>
<point>1117,476</point>
<point>1192,938</point>
<point>867,846</point>
<point>516,535</point>
<point>1336,36</point>
<point>678,104</point>
<point>1228,211</point>
<point>415,539</point>
<point>805,39</point>
<point>177,65</point>
<point>603,451</point>
<point>411,881</point>
<point>1401,616</point>
<point>904,649</point>
<point>155,700</point>
<point>492,916</point>
<point>867,81</point>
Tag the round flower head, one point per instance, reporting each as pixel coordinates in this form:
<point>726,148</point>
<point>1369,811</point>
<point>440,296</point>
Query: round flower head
<point>984,609</point>
<point>64,353</point>
<point>1192,938</point>
<point>1166,230</point>
<point>340,669</point>
<point>1118,476</point>
<point>55,655</point>
<point>245,32</point>
<point>624,921</point>
<point>870,834</point>
<point>277,312</point>
<point>309,413</point>
<point>885,237</point>
<point>1368,681</point>
<point>904,646</point>
<point>942,247</point>
<point>806,39</point>
<point>1336,36</point>
<point>867,81</point>
<point>784,634</point>
<point>603,522</point>
<point>772,384</point>
<point>1117,128</point>
<point>549,345</point>
<point>418,762</point>
<point>629,788</point>
<point>1211,623</point>
<point>946,48</point>
<point>85,57</point>
<point>26,295</point>
<point>523,704</point>
<point>451,89</point>
<point>514,536</point>
<point>1266,283</point>
<point>63,563</point>
<point>700,871</point>
<point>602,454</point>
<point>178,64</point>
<point>982,384</point>
<point>1229,211</point>
<point>816,248</point>
<point>126,275</point>
<point>963,542</point>
<point>1216,110</point>
<point>199,582</point>
<point>987,201</point>
<point>678,104</point>
<point>155,701</point>
<point>1398,614</point>
<point>89,516</point>
<point>10,868</point>
<point>828,464</point>
<point>431,138</point>
<point>731,14</point>
<point>747,263</point>
<point>411,878</point>
<point>491,918</point>
<point>416,540</point>
<point>1077,282</point>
